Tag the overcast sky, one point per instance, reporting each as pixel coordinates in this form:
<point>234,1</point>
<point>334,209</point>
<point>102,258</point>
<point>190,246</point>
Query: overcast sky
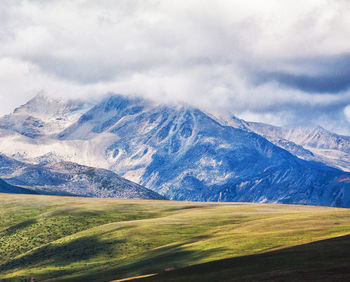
<point>280,62</point>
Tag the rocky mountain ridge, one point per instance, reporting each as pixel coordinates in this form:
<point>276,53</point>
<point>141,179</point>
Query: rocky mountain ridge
<point>184,153</point>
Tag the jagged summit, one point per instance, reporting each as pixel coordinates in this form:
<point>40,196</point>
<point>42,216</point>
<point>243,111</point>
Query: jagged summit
<point>42,104</point>
<point>44,115</point>
<point>46,105</point>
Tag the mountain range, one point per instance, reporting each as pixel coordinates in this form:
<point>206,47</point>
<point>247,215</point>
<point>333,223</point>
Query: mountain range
<point>175,150</point>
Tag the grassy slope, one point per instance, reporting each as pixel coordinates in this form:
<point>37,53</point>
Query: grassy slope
<point>325,260</point>
<point>62,238</point>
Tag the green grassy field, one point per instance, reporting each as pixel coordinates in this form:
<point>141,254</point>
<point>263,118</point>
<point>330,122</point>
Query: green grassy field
<point>325,260</point>
<point>84,239</point>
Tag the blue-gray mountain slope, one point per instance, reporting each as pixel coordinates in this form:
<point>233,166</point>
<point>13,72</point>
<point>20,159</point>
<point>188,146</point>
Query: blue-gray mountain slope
<point>184,154</point>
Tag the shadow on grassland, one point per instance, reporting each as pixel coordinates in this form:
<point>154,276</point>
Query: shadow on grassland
<point>82,253</point>
<point>152,261</point>
<point>17,227</point>
<point>163,258</point>
<point>62,254</point>
<point>83,249</point>
<point>326,260</point>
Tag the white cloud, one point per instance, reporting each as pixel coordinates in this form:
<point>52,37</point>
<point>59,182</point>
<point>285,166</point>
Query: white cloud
<point>347,112</point>
<point>199,51</point>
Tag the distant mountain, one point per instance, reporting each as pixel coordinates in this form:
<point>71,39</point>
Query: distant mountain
<point>184,153</point>
<point>65,178</point>
<point>316,143</point>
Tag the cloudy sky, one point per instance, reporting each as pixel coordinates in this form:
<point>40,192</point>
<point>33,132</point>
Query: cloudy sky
<point>280,62</point>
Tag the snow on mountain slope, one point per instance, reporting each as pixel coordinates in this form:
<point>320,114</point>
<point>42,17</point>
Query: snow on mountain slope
<point>44,116</point>
<point>30,133</point>
<point>185,154</point>
<point>66,178</point>
<point>316,144</point>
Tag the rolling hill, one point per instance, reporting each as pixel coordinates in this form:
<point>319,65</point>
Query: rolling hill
<point>325,260</point>
<point>84,239</point>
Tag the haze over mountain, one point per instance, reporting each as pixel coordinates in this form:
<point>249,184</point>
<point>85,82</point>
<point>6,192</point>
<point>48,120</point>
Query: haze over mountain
<point>176,150</point>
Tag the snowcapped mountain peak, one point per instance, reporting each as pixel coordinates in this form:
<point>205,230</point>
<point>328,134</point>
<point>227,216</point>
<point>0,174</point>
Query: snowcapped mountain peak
<point>39,104</point>
<point>44,115</point>
<point>42,104</point>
